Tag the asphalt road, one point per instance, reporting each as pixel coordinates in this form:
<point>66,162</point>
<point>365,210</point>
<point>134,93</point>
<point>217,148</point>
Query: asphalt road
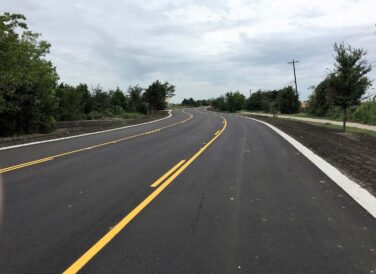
<point>244,200</point>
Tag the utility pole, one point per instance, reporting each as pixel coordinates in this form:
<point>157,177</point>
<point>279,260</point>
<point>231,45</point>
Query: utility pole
<point>293,65</point>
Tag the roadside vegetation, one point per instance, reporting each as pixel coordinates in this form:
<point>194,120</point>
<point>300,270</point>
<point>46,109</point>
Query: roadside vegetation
<point>340,96</point>
<point>32,99</point>
<point>284,101</point>
<point>190,102</point>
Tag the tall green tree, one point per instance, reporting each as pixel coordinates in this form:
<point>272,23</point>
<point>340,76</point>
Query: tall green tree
<point>101,101</point>
<point>156,94</point>
<point>219,103</point>
<point>234,100</point>
<point>135,99</point>
<point>348,82</point>
<point>119,102</point>
<point>27,79</point>
<point>318,101</point>
<point>288,100</point>
<point>69,103</point>
<point>87,99</point>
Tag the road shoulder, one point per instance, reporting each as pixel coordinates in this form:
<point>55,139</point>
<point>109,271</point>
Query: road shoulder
<point>333,152</point>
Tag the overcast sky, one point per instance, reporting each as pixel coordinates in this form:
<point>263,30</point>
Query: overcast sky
<point>205,48</point>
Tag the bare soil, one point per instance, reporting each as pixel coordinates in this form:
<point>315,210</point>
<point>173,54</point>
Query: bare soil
<point>353,154</point>
<point>69,128</point>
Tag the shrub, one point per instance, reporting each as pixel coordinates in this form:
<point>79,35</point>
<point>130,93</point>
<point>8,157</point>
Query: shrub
<point>365,113</point>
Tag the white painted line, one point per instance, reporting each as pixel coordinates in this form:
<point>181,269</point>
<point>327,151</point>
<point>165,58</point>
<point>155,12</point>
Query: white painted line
<point>85,134</point>
<point>359,194</point>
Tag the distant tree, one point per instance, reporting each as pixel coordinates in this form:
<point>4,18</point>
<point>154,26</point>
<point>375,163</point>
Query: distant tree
<point>219,103</point>
<point>27,79</point>
<point>262,100</point>
<point>255,101</point>
<point>318,101</point>
<point>348,82</point>
<point>156,94</point>
<point>193,103</point>
<point>135,99</point>
<point>70,103</point>
<point>288,100</point>
<point>184,102</point>
<point>87,98</point>
<point>101,100</point>
<point>234,101</point>
<point>119,102</point>
<point>204,102</point>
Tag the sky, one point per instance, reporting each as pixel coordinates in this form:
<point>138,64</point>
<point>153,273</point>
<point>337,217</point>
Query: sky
<point>205,48</point>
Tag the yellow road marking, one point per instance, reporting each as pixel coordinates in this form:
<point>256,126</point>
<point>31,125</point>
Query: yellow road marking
<point>98,246</point>
<point>168,173</point>
<point>216,132</point>
<point>3,170</point>
<point>38,161</point>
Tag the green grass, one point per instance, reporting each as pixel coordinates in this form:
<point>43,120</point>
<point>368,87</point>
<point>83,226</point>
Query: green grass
<point>132,115</point>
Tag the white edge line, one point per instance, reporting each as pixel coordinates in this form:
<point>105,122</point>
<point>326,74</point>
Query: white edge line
<point>359,194</point>
<point>85,134</point>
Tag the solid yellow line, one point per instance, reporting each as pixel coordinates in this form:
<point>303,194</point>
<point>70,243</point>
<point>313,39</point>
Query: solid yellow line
<point>10,168</point>
<point>216,132</point>
<point>98,246</point>
<point>168,173</point>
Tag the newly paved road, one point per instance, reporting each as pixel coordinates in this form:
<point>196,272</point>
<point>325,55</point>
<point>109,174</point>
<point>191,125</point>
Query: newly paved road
<point>244,201</point>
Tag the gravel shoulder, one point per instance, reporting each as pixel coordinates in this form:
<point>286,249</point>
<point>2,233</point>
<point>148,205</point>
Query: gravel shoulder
<point>353,154</point>
<point>65,129</point>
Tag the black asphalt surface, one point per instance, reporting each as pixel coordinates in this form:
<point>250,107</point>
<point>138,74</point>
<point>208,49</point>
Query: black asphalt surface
<point>250,203</point>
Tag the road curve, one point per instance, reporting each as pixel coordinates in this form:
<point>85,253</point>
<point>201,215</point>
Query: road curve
<point>247,202</point>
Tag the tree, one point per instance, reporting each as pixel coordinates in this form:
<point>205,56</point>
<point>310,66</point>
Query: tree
<point>318,101</point>
<point>288,100</point>
<point>262,100</point>
<point>27,79</point>
<point>70,103</point>
<point>185,102</point>
<point>219,103</point>
<point>87,99</point>
<point>193,103</point>
<point>234,101</point>
<point>101,100</point>
<point>135,99</point>
<point>119,103</point>
<point>156,94</point>
<point>348,82</point>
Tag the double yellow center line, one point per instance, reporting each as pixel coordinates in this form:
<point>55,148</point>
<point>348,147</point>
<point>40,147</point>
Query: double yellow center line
<point>168,173</point>
<point>173,173</point>
<point>39,161</point>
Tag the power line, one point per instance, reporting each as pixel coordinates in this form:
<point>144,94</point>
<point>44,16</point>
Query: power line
<point>293,65</point>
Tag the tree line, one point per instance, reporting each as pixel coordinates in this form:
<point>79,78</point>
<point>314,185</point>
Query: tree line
<point>284,100</point>
<point>190,102</point>
<point>32,99</point>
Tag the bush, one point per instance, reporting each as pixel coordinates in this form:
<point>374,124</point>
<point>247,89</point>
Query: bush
<point>131,115</point>
<point>95,115</point>
<point>47,125</point>
<point>365,113</point>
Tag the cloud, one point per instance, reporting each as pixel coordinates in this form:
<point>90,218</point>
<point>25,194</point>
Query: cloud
<point>205,48</point>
